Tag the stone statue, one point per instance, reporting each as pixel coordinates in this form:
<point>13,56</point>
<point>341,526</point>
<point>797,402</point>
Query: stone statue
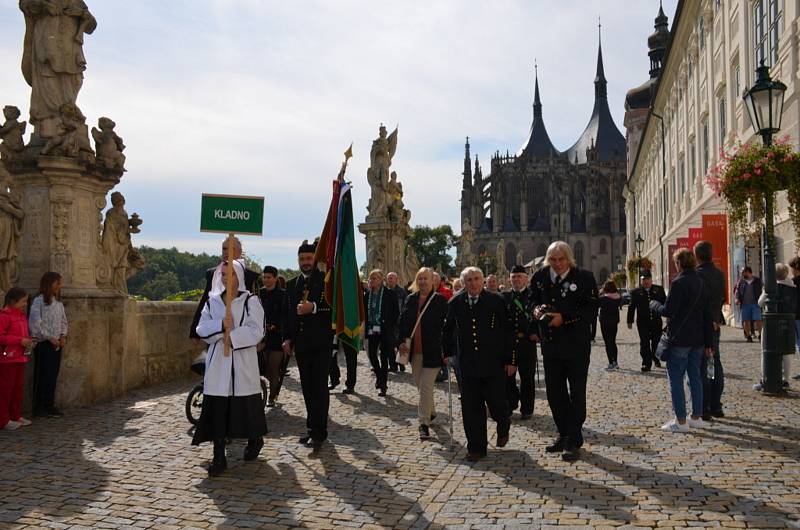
<point>11,133</point>
<point>394,192</point>
<point>11,216</point>
<point>52,58</point>
<point>465,256</point>
<point>501,257</point>
<point>520,258</point>
<point>122,258</point>
<point>108,145</point>
<point>71,138</point>
<point>381,154</point>
<point>410,264</point>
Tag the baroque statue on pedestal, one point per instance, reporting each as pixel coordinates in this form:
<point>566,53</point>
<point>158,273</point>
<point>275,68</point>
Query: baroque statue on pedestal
<point>11,216</point>
<point>108,145</point>
<point>123,260</point>
<point>11,133</point>
<point>380,156</point>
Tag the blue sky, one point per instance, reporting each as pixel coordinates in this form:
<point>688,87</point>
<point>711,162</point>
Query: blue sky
<point>258,97</point>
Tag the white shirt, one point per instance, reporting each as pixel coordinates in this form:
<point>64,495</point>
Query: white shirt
<point>47,321</point>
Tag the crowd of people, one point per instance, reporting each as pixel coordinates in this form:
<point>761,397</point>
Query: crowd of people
<point>35,330</point>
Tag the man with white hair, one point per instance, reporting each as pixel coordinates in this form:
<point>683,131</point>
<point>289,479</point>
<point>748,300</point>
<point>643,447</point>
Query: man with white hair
<point>565,302</point>
<point>477,329</point>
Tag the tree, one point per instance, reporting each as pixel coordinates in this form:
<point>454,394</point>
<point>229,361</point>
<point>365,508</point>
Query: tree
<point>432,246</point>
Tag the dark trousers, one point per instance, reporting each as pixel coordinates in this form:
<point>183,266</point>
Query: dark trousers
<point>351,359</point>
<point>565,380</point>
<point>379,355</point>
<point>314,367</point>
<point>648,342</point>
<point>476,394</point>
<point>712,388</point>
<point>523,396</point>
<point>609,331</point>
<point>47,361</point>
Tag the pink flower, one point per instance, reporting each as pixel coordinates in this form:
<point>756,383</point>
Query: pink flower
<point>758,171</point>
<point>746,176</point>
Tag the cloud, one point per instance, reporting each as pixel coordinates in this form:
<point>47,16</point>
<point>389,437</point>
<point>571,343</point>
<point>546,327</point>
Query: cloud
<point>262,97</point>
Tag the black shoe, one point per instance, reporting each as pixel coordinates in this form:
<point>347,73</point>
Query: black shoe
<point>315,443</point>
<point>579,441</point>
<point>333,385</point>
<point>645,368</point>
<point>502,441</point>
<point>53,412</point>
<point>474,457</point>
<point>718,413</point>
<point>393,369</point>
<point>571,453</point>
<point>304,439</point>
<point>348,390</point>
<point>707,416</point>
<point>749,338</point>
<point>217,466</point>
<point>424,432</point>
<point>382,392</point>
<point>524,417</point>
<point>557,446</point>
<point>402,367</point>
<point>657,363</point>
<point>253,448</point>
<point>433,417</point>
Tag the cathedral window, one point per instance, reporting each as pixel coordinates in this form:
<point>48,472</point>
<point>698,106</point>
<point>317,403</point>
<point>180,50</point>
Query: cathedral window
<point>579,254</point>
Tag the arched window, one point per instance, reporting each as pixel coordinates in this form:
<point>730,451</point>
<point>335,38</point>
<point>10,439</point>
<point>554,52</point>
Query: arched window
<point>578,250</point>
<point>511,255</point>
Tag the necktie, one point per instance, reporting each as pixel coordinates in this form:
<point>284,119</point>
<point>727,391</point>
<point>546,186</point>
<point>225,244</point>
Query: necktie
<point>472,300</point>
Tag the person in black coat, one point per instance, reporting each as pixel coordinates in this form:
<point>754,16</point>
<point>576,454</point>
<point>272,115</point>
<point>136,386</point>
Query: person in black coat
<point>610,304</point>
<point>715,282</point>
<point>381,313</point>
<point>271,355</point>
<point>477,328</point>
<point>648,323</point>
<point>308,333</point>
<point>423,342</point>
<point>565,303</point>
<point>251,278</point>
<point>523,345</point>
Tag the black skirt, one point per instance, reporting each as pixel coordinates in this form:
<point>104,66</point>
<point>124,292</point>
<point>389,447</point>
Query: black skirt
<point>230,417</point>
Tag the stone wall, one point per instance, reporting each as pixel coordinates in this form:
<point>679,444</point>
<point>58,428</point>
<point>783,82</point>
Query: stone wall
<point>117,344</point>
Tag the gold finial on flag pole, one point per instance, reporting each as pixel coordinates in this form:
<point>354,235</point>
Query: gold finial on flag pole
<point>347,156</point>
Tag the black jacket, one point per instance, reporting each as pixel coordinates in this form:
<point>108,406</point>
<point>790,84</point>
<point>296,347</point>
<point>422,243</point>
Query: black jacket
<point>787,298</point>
<point>741,285</point>
<point>609,309</point>
<point>519,317</point>
<point>272,302</point>
<point>310,332</point>
<point>688,310</point>
<point>251,278</point>
<point>640,306</point>
<point>576,299</point>
<point>387,320</point>
<point>715,281</point>
<point>430,326</point>
<point>480,335</point>
<point>796,281</point>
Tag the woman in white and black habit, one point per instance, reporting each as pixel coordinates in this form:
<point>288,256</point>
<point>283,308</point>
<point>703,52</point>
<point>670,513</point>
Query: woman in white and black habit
<point>232,401</point>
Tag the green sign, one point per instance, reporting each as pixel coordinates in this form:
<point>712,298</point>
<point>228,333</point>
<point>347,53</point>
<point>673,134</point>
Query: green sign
<point>232,214</point>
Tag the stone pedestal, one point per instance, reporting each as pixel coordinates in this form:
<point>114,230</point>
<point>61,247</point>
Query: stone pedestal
<point>387,249</point>
<point>63,200</point>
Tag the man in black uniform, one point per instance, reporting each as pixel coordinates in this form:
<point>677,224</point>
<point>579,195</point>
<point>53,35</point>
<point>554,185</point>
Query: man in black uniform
<point>477,328</point>
<point>523,345</point>
<point>307,332</point>
<point>270,355</point>
<point>648,323</point>
<point>251,278</point>
<point>381,314</point>
<point>565,300</point>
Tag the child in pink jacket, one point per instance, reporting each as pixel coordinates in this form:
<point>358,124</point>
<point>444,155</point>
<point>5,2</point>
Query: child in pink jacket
<point>15,345</point>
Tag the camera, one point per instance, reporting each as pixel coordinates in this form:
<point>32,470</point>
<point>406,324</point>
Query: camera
<point>545,319</point>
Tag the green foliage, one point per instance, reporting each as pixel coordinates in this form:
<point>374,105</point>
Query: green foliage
<point>169,271</point>
<point>185,296</point>
<point>431,245</point>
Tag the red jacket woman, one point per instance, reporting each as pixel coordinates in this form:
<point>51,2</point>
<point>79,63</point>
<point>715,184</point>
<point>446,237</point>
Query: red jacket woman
<point>14,341</point>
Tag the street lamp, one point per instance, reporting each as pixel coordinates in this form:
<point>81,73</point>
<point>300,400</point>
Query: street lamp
<point>764,102</point>
<point>639,241</point>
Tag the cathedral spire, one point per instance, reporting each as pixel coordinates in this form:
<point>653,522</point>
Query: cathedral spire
<point>600,84</point>
<point>467,183</point>
<point>537,102</point>
<point>538,144</point>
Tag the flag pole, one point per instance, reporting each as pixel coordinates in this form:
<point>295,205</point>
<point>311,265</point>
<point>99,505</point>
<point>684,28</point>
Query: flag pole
<point>228,291</point>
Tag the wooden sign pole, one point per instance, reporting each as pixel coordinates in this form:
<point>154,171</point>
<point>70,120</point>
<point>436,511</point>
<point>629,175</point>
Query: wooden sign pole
<point>228,290</point>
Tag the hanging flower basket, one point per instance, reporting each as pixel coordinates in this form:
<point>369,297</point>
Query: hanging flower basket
<point>748,173</point>
<point>635,266</point>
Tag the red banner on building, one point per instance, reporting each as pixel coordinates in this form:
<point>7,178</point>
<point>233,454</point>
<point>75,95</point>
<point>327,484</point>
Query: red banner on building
<point>715,231</point>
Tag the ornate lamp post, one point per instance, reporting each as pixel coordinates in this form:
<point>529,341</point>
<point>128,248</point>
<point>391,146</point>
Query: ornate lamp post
<point>639,242</point>
<point>764,102</point>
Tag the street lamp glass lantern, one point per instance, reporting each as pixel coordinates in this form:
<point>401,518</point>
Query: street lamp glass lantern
<point>639,242</point>
<point>764,102</point>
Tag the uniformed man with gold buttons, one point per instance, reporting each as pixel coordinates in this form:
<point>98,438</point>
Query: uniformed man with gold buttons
<point>522,344</point>
<point>308,334</point>
<point>477,329</point>
<point>648,323</point>
<point>565,302</point>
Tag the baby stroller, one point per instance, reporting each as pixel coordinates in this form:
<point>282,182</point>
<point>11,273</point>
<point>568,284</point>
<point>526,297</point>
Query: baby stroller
<point>194,401</point>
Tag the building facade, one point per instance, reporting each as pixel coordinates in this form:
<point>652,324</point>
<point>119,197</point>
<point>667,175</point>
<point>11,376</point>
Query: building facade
<point>541,194</point>
<point>690,109</point>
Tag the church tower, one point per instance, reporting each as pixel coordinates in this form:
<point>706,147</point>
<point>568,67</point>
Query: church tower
<point>467,190</point>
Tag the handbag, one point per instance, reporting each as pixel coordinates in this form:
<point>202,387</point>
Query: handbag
<point>666,342</point>
<point>403,358</point>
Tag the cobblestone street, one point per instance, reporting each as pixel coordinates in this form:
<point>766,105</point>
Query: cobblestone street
<point>129,464</point>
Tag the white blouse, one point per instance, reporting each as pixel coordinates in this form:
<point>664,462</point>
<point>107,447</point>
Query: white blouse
<point>47,321</point>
